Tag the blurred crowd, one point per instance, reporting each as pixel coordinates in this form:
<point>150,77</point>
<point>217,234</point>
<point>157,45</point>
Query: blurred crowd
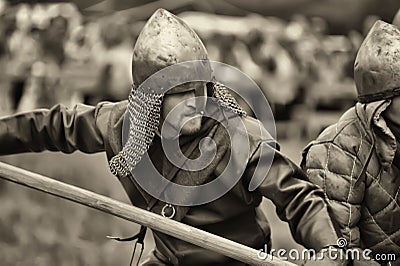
<point>305,72</point>
<point>52,53</point>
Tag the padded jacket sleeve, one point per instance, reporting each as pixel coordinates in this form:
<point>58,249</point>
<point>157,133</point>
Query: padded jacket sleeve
<point>336,170</point>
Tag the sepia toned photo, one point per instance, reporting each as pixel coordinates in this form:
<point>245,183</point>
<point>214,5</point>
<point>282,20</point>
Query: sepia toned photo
<point>207,132</point>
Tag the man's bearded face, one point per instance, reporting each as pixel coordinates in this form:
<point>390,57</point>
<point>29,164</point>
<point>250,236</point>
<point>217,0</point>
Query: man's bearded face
<point>187,107</point>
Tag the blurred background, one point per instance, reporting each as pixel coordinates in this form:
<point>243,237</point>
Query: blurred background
<point>300,53</point>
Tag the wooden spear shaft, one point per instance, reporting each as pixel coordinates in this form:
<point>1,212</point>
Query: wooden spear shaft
<point>128,212</point>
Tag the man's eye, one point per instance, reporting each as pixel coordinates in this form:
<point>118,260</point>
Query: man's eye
<point>190,92</point>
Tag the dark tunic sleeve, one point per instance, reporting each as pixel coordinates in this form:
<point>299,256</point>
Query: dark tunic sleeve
<point>297,201</point>
<point>62,129</point>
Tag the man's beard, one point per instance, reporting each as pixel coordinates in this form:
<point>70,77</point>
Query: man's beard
<point>191,127</point>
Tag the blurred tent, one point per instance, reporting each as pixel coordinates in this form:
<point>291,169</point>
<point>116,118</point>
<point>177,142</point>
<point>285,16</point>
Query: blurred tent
<point>341,15</point>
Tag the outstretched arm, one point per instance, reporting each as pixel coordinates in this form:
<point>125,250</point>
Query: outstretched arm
<point>57,129</point>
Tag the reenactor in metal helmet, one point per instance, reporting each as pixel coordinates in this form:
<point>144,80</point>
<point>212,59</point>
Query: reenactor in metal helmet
<point>357,160</point>
<point>131,132</point>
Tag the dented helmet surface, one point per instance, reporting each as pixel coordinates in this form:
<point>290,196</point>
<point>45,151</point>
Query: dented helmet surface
<point>164,40</point>
<point>377,65</point>
<point>396,19</point>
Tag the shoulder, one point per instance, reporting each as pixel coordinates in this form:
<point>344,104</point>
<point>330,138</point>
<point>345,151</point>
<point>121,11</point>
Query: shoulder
<point>256,131</point>
<point>110,114</point>
<point>110,119</point>
<point>339,145</point>
<point>251,132</point>
<point>114,108</point>
<point>348,133</point>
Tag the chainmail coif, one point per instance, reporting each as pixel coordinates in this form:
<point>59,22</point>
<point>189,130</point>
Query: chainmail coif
<point>144,117</point>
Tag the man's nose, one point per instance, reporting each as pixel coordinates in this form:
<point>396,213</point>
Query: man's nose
<point>191,102</point>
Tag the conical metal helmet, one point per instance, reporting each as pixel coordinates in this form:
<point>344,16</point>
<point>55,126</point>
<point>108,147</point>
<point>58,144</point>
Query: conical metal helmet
<point>396,20</point>
<point>164,40</point>
<point>377,65</point>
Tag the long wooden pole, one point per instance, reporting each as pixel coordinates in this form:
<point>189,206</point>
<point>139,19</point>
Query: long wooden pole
<point>128,212</point>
